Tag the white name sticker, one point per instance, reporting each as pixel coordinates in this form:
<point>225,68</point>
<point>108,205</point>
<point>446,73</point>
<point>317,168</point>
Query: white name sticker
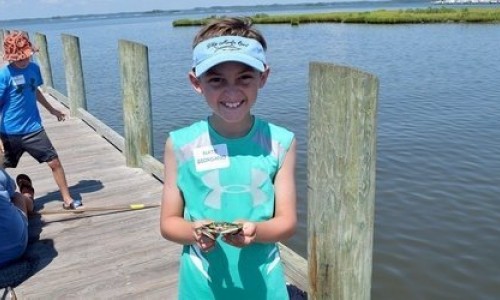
<point>211,157</point>
<point>19,80</point>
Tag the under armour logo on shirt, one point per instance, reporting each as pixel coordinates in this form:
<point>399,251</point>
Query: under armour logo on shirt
<point>213,199</point>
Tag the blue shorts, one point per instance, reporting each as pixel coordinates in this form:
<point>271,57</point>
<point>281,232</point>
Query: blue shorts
<point>37,144</point>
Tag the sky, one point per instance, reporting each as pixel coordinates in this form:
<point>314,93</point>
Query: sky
<point>19,9</point>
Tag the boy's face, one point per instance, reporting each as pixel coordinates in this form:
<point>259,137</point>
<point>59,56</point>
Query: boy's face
<point>230,89</point>
<point>21,64</point>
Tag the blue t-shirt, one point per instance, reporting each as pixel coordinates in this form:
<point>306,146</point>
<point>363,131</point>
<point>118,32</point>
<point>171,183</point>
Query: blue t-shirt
<point>225,179</point>
<point>19,111</point>
<point>13,224</point>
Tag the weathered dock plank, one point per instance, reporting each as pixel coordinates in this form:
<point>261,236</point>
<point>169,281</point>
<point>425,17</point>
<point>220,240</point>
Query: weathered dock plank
<point>98,254</point>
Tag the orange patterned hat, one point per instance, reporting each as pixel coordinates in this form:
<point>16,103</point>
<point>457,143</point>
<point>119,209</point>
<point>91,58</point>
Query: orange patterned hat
<point>17,46</point>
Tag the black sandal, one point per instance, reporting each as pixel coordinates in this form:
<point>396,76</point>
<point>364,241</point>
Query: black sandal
<point>23,181</point>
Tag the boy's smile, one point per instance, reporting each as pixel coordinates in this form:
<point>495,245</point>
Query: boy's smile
<point>230,90</point>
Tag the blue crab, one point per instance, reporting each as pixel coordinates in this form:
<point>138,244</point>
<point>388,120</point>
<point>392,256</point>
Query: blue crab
<point>214,229</point>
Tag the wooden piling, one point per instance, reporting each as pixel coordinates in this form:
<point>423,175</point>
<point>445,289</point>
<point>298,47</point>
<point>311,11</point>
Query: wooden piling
<point>341,181</point>
<point>74,73</point>
<point>136,92</point>
<point>44,60</point>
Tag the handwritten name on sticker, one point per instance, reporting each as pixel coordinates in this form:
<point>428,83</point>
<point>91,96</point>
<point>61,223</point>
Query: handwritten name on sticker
<point>211,157</point>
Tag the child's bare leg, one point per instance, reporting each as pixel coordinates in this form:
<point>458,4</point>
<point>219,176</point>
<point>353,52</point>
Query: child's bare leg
<point>60,179</point>
<point>28,199</point>
<point>23,202</point>
<point>26,196</point>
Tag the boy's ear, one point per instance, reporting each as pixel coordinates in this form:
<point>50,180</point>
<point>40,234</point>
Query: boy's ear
<point>263,76</point>
<point>195,82</point>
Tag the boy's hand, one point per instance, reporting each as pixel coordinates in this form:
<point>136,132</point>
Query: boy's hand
<point>60,115</point>
<point>244,237</point>
<point>203,242</point>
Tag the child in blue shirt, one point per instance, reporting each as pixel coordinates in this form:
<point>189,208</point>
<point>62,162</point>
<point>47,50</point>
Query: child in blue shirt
<point>232,167</point>
<point>21,127</point>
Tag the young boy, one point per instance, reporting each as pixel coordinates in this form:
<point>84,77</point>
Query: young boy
<point>21,125</point>
<point>232,167</point>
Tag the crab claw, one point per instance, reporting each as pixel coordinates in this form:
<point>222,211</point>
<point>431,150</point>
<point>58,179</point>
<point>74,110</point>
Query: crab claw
<point>234,230</point>
<point>209,235</point>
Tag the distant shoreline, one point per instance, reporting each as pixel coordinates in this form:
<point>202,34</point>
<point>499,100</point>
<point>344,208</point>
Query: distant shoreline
<point>208,11</point>
<point>465,2</point>
<point>407,16</point>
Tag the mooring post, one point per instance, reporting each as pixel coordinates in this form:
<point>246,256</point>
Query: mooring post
<point>136,93</point>
<point>341,181</point>
<point>44,60</point>
<point>74,73</point>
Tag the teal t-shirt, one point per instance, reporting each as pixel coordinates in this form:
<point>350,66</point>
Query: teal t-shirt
<point>225,179</point>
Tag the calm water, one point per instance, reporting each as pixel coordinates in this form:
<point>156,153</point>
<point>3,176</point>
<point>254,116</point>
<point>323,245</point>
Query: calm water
<point>437,223</point>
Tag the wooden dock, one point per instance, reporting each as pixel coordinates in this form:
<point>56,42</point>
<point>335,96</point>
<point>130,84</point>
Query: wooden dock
<point>107,254</point>
<point>99,254</point>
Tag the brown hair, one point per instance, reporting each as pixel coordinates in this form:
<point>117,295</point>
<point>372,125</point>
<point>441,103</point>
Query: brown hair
<point>229,26</point>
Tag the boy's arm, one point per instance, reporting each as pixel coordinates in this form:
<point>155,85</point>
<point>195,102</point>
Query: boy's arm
<point>43,101</point>
<point>282,226</point>
<point>173,226</point>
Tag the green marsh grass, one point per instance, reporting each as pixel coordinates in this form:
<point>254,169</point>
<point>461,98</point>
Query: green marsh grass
<point>408,16</point>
